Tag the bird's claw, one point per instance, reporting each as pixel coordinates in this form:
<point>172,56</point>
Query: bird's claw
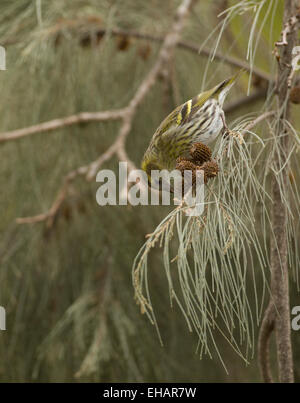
<point>235,134</point>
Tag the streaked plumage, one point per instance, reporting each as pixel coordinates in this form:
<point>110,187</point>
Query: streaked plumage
<point>200,119</point>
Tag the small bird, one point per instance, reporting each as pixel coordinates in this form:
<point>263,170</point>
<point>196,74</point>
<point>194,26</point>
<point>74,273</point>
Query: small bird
<point>198,120</point>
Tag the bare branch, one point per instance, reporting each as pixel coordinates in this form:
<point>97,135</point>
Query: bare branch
<point>279,239</point>
<point>245,100</point>
<point>259,119</point>
<point>267,327</point>
<point>231,60</point>
<point>127,114</point>
<point>100,32</point>
<point>55,124</point>
<point>289,27</point>
<point>87,117</point>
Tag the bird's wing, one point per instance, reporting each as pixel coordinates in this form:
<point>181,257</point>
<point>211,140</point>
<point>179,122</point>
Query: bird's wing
<point>170,121</point>
<point>182,114</point>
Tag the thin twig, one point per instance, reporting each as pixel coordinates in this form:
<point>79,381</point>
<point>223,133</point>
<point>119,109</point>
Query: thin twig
<point>259,119</point>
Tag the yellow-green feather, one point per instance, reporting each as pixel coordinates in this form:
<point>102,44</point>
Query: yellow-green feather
<point>177,117</point>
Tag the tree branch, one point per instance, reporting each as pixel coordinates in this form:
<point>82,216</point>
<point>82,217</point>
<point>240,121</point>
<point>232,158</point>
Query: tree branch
<point>267,327</point>
<point>192,47</point>
<point>118,114</point>
<point>259,119</point>
<point>245,100</point>
<point>231,60</point>
<point>279,302</point>
<point>127,114</point>
<point>83,117</point>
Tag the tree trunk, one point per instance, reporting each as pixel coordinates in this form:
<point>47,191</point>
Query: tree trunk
<point>277,315</point>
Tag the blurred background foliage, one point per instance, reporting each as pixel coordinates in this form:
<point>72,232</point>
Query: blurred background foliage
<point>68,294</point>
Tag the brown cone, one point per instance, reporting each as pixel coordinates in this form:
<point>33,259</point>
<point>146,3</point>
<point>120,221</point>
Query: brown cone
<point>295,95</point>
<point>180,159</point>
<point>185,165</point>
<point>200,153</point>
<point>210,169</point>
<point>123,43</point>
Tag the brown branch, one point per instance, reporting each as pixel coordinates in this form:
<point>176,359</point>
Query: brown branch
<point>279,241</point>
<point>245,100</point>
<point>279,249</point>
<point>119,114</point>
<point>50,215</point>
<point>289,27</point>
<point>231,60</point>
<point>259,119</point>
<point>55,124</point>
<point>267,327</point>
<point>193,47</point>
<point>86,117</point>
<point>127,114</point>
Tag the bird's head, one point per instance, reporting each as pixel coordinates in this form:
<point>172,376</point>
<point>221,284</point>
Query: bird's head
<point>225,86</point>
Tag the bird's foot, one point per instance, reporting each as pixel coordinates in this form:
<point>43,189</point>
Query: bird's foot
<point>228,132</point>
<point>237,135</point>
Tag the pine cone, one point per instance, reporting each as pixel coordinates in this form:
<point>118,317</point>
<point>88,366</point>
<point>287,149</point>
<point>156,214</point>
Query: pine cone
<point>185,165</point>
<point>211,169</point>
<point>295,95</point>
<point>200,153</point>
<point>123,43</point>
